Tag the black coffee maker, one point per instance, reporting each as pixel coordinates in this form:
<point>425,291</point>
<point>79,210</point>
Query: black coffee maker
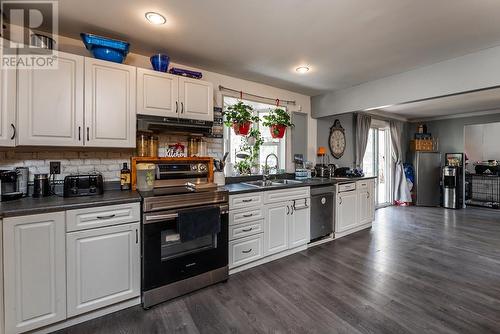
<point>8,185</point>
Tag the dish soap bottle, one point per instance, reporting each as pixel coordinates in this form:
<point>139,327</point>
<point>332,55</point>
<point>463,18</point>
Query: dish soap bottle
<point>125,177</point>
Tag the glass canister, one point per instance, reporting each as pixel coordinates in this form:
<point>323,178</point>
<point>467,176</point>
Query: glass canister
<point>142,144</point>
<point>145,177</point>
<point>153,146</point>
<point>192,147</point>
<point>202,148</point>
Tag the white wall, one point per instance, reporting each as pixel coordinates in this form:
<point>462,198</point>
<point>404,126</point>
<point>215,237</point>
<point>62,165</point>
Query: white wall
<point>303,101</point>
<point>481,142</point>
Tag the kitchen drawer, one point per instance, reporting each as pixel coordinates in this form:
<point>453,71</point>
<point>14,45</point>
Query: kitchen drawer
<point>245,200</point>
<point>84,219</point>
<point>246,229</point>
<point>364,184</point>
<point>245,250</point>
<point>347,186</point>
<point>245,215</point>
<point>288,194</point>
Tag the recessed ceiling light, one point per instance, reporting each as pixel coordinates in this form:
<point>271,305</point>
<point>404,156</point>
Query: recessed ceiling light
<point>302,69</point>
<point>155,18</point>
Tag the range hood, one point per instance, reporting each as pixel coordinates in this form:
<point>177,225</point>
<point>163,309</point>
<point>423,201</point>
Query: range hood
<point>173,124</point>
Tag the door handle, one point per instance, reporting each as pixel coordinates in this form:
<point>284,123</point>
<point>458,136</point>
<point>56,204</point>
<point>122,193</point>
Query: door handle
<point>182,107</point>
<point>176,107</point>
<point>246,200</point>
<point>287,210</point>
<point>367,195</point>
<point>162,217</point>
<point>340,198</point>
<point>248,215</point>
<point>13,131</point>
<point>247,229</point>
<point>79,133</point>
<point>247,251</point>
<point>106,217</point>
<point>88,133</point>
<point>136,236</point>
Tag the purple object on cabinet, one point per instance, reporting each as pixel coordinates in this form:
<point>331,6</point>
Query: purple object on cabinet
<point>185,73</point>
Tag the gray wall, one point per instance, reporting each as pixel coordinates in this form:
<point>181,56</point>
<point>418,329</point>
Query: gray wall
<point>450,132</point>
<point>347,121</point>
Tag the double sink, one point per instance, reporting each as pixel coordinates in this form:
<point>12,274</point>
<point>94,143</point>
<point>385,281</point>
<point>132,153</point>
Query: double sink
<point>269,183</point>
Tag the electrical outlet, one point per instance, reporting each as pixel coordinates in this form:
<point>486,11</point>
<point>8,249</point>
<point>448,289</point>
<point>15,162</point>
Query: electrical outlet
<point>55,167</point>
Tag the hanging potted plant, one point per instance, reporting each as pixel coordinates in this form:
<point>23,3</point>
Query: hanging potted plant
<point>277,121</point>
<point>239,116</point>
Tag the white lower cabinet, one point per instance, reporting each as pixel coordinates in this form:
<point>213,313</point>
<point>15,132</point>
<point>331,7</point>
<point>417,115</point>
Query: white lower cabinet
<point>276,227</point>
<point>34,271</point>
<point>299,225</point>
<point>103,267</point>
<point>355,207</point>
<point>51,275</point>
<point>262,227</point>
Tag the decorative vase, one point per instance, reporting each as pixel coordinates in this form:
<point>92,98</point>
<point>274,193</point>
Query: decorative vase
<point>277,131</point>
<point>242,129</point>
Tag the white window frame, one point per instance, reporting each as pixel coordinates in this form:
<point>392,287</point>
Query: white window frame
<point>228,132</point>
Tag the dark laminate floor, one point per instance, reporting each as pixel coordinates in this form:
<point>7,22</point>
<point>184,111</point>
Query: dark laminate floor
<point>418,270</point>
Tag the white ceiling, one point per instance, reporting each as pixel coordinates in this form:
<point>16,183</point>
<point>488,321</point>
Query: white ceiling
<point>346,42</point>
<point>472,102</point>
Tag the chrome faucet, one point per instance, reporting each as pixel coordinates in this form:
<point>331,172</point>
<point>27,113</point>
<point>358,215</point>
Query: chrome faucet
<point>265,175</point>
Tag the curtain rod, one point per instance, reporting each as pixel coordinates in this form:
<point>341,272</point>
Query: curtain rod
<point>241,94</point>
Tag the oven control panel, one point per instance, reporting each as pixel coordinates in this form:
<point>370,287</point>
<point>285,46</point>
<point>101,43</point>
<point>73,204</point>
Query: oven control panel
<point>181,170</point>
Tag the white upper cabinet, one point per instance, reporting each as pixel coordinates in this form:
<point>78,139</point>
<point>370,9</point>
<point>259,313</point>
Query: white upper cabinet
<point>110,107</point>
<point>163,94</point>
<point>7,104</point>
<point>196,99</point>
<point>50,104</point>
<point>34,271</point>
<point>157,93</point>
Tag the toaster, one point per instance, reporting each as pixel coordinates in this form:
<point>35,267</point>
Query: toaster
<point>83,185</point>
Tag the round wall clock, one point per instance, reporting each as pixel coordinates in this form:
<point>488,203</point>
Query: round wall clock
<point>337,140</point>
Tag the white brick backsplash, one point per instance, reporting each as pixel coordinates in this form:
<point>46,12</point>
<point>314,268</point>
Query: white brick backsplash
<point>73,161</point>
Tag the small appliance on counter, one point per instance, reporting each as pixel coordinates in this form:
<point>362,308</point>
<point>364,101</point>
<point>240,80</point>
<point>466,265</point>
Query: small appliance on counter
<point>322,169</point>
<point>453,181</point>
<point>8,186</point>
<point>41,185</point>
<point>23,174</point>
<point>83,185</point>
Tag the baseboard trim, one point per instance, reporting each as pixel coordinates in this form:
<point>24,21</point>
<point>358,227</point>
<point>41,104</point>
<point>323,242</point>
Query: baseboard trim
<point>88,316</point>
<point>267,259</point>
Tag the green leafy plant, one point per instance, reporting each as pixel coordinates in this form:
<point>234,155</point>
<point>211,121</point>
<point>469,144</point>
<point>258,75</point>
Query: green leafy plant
<point>239,113</point>
<point>278,116</point>
<point>250,145</point>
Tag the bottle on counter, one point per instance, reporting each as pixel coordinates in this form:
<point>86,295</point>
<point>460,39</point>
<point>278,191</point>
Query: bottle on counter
<point>125,183</point>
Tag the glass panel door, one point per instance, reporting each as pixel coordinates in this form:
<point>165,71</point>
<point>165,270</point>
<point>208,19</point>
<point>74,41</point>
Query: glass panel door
<point>377,162</point>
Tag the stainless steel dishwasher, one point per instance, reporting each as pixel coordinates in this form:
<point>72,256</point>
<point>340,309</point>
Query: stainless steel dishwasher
<point>322,206</point>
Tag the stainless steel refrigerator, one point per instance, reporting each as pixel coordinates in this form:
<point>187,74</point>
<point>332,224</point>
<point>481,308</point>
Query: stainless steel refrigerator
<point>427,188</point>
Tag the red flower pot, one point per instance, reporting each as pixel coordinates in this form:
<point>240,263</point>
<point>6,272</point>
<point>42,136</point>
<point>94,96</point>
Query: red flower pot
<point>277,131</point>
<point>242,129</point>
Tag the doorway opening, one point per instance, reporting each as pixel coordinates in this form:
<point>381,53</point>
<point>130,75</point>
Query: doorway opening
<point>377,161</point>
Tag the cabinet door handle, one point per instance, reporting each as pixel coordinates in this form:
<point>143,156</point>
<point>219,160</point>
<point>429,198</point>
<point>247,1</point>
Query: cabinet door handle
<point>88,133</point>
<point>247,251</point>
<point>13,131</point>
<point>106,217</point>
<point>176,107</point>
<point>246,200</point>
<point>367,195</point>
<point>287,210</point>
<point>340,198</point>
<point>136,236</point>
<point>182,107</point>
<point>248,215</point>
<point>79,133</point>
<point>247,229</point>
<point>292,208</point>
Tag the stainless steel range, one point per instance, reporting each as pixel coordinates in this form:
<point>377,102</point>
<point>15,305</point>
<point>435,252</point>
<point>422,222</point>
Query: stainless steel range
<point>185,233</point>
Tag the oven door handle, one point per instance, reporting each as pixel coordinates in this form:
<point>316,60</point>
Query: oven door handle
<point>170,216</point>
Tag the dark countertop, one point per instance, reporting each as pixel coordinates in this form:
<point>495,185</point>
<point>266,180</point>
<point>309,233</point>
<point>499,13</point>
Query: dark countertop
<point>31,206</point>
<point>240,188</point>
